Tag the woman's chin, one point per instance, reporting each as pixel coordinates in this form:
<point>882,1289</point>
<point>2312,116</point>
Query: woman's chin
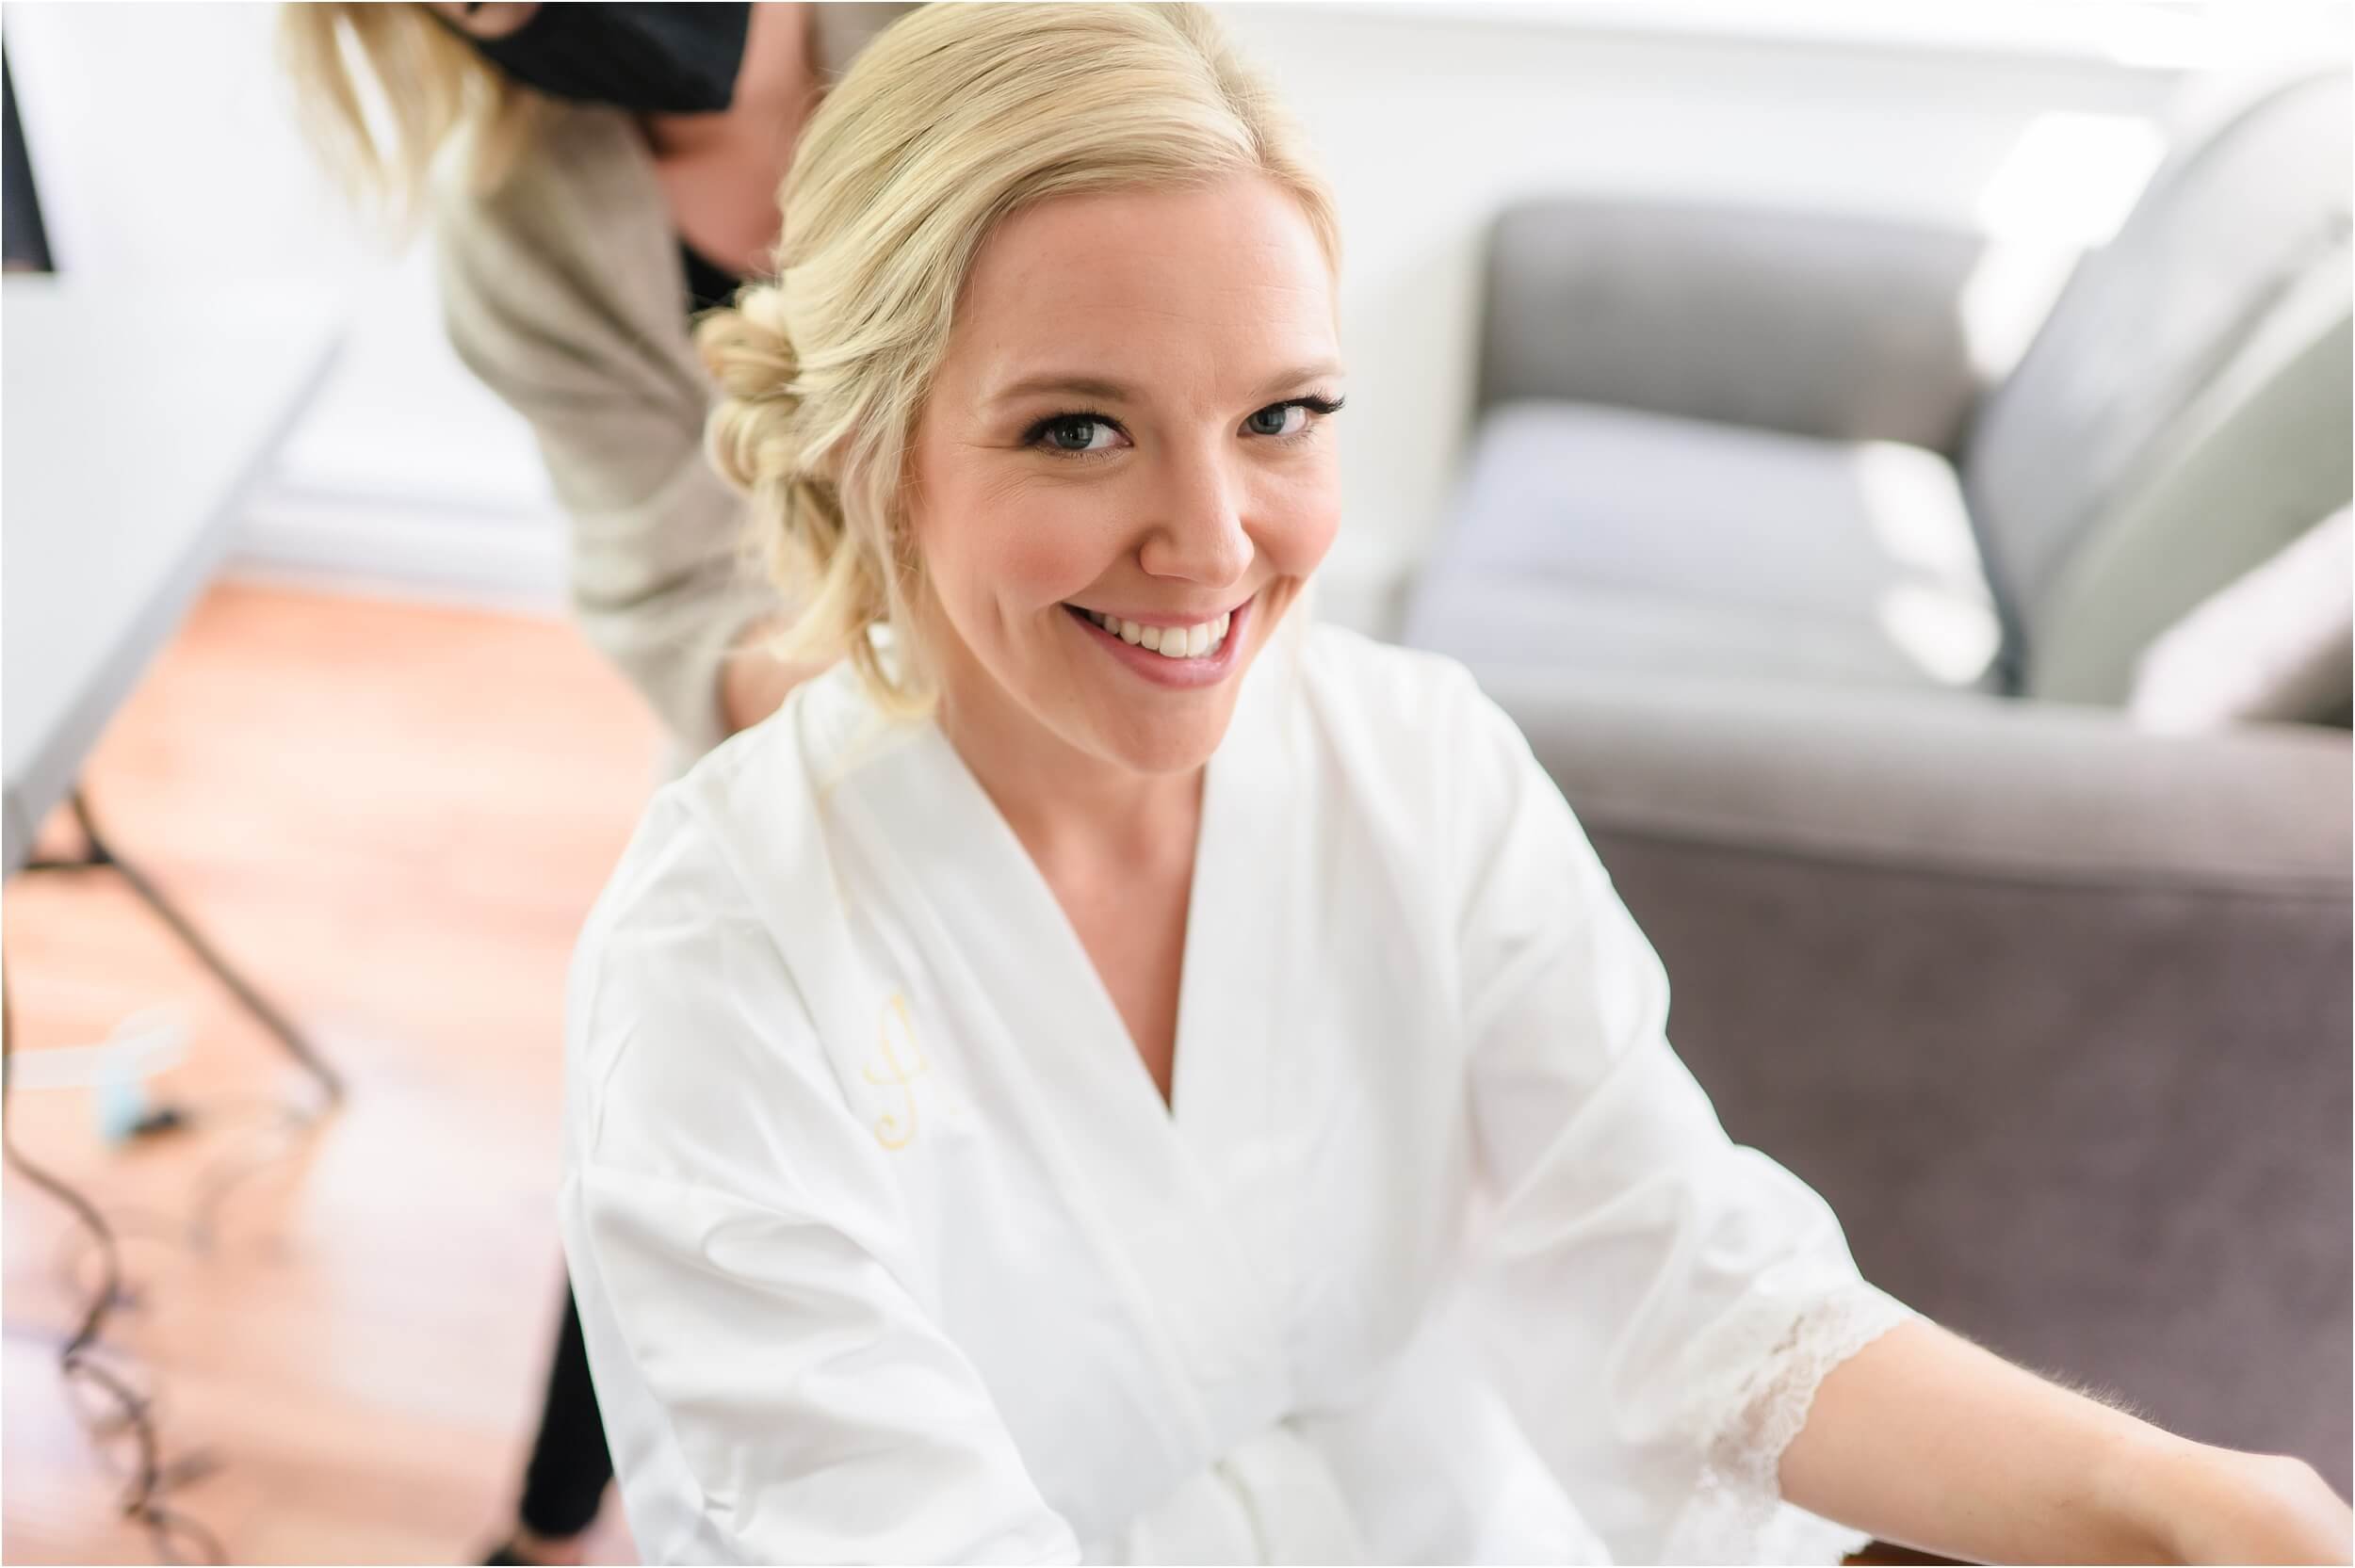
<point>1167,742</point>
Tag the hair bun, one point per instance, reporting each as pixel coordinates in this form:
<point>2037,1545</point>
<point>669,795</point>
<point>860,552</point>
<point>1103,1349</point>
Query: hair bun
<point>746,347</point>
<point>753,436</point>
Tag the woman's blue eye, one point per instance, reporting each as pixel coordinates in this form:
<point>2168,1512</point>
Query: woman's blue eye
<point>1290,417</point>
<point>1075,432</point>
<point>1082,435</point>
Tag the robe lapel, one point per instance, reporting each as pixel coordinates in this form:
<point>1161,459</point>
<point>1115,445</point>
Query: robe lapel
<point>1158,1187</point>
<point>1234,1005</point>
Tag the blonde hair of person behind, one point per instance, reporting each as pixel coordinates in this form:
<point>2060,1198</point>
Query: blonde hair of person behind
<point>383,88</point>
<point>954,118</point>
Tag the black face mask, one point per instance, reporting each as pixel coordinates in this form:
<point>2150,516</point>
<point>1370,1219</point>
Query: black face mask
<point>675,58</point>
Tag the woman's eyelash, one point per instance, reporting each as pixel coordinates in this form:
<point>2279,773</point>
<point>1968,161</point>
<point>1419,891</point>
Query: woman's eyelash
<point>1037,432</point>
<point>1315,403</point>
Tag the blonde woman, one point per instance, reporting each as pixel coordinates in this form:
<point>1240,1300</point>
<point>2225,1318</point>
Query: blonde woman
<point>1112,1072</point>
<point>597,174</point>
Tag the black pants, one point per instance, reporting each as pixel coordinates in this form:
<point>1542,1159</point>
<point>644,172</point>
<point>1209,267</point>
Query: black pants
<point>569,1467</point>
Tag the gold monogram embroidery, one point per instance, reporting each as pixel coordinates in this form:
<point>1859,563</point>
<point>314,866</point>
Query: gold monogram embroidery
<point>890,1131</point>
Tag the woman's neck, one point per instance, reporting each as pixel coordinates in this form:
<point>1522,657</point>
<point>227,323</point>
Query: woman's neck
<point>1076,813</point>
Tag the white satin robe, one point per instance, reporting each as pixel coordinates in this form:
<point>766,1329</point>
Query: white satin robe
<point>888,1248</point>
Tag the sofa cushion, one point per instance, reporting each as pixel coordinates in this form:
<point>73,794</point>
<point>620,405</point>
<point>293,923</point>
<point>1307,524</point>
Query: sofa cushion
<point>1615,539</point>
<point>2273,645</point>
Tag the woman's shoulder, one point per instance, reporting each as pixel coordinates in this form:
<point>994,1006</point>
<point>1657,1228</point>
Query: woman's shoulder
<point>1408,741</point>
<point>724,811</point>
<point>747,816</point>
<point>1340,660</point>
<point>681,986</point>
<point>1399,702</point>
<point>677,897</point>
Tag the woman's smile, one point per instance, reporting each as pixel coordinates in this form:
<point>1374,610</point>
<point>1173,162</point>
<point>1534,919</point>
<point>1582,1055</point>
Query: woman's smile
<point>1203,653</point>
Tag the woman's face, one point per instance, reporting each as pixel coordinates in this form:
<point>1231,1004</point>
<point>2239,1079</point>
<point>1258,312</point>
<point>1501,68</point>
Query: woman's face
<point>1125,454</point>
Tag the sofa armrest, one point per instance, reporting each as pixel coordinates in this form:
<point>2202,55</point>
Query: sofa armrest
<point>1839,327</point>
<point>2053,1014</point>
<point>1957,782</point>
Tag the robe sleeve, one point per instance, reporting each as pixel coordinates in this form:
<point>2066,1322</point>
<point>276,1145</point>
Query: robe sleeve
<point>1660,1302</point>
<point>775,1386</point>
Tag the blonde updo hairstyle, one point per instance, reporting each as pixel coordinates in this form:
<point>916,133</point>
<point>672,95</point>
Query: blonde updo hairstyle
<point>954,118</point>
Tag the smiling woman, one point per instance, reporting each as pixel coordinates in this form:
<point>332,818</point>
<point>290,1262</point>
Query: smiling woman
<point>1200,493</point>
<point>862,394</point>
<point>1072,1085</point>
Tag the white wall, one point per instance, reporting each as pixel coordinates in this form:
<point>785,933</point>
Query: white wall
<point>163,140</point>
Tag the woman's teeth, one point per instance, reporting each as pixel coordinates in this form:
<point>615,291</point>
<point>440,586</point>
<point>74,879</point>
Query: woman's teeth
<point>1172,643</point>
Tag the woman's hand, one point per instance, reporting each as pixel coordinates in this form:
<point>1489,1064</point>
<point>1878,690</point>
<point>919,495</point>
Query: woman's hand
<point>2203,1504</point>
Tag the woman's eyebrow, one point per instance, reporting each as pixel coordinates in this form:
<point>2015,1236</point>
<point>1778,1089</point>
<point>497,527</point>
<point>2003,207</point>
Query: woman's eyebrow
<point>1078,386</point>
<point>1056,381</point>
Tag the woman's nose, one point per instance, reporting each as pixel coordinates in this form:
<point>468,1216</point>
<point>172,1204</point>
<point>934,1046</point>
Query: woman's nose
<point>1199,536</point>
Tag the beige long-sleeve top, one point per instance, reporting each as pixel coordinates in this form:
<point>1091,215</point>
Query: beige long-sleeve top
<point>562,289</point>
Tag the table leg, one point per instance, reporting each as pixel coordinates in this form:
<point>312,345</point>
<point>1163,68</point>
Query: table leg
<point>98,855</point>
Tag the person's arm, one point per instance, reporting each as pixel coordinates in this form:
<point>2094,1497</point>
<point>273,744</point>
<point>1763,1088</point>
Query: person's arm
<point>754,683</point>
<point>661,579</point>
<point>1931,1442</point>
<point>1659,1301</point>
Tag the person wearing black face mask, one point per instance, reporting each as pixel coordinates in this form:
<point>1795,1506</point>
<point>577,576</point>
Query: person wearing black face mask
<point>661,58</point>
<point>619,171</point>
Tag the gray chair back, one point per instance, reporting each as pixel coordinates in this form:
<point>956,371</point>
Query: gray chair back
<point>1842,327</point>
<point>2184,413</point>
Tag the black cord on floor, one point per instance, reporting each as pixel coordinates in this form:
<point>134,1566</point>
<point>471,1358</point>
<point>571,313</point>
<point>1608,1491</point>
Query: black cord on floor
<point>124,1410</point>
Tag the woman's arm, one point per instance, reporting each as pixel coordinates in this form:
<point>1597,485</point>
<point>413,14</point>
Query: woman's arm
<point>1661,1303</point>
<point>1926,1439</point>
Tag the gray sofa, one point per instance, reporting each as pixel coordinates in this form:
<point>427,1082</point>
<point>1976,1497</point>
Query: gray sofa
<point>1827,634</point>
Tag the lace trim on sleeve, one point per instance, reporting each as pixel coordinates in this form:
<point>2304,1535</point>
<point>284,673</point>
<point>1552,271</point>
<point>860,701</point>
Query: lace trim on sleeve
<point>1736,1513</point>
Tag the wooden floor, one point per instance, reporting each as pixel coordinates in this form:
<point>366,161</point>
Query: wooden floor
<point>394,817</point>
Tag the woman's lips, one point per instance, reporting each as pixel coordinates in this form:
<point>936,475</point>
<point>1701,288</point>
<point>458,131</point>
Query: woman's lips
<point>1180,673</point>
